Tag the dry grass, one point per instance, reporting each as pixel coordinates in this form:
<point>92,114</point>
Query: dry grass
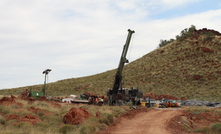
<point>54,123</point>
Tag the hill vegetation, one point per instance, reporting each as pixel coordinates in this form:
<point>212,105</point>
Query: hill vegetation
<point>188,66</point>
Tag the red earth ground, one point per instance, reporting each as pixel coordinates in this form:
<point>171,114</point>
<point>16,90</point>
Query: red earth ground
<point>160,121</point>
<point>141,120</point>
<point>76,115</point>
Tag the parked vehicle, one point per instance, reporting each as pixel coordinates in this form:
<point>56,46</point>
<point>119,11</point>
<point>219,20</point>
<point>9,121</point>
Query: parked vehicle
<point>168,103</point>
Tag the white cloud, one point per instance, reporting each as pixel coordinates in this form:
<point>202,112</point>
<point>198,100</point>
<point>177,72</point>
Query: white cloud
<point>177,3</point>
<point>79,38</point>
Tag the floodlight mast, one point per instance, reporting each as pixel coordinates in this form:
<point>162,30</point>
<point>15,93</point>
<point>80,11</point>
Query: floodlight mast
<point>46,73</point>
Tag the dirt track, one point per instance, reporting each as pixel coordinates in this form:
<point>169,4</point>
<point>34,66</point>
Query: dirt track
<point>151,122</point>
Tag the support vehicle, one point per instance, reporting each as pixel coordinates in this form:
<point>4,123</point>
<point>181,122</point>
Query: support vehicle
<point>168,103</point>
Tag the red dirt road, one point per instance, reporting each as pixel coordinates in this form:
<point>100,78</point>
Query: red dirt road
<point>151,122</point>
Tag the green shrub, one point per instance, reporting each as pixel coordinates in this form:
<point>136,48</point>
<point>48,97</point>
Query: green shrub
<point>92,120</point>
<point>101,126</point>
<point>107,118</point>
<point>209,36</point>
<point>2,120</point>
<point>52,120</point>
<point>10,122</point>
<point>47,118</point>
<point>42,104</point>
<point>5,110</point>
<point>198,110</point>
<point>183,35</point>
<point>1,128</point>
<point>87,129</point>
<point>165,42</point>
<point>15,106</point>
<point>186,33</point>
<point>24,125</point>
<point>216,127</point>
<point>202,130</point>
<point>24,112</point>
<point>42,126</point>
<point>110,117</point>
<point>105,121</point>
<point>40,113</point>
<point>121,109</point>
<point>129,103</point>
<point>67,128</point>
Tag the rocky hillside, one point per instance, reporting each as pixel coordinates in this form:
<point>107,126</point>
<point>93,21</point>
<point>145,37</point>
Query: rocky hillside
<point>188,67</point>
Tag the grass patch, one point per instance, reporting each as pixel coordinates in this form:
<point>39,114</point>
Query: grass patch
<point>87,129</point>
<point>43,126</point>
<point>10,122</point>
<point>214,128</point>
<point>198,110</point>
<point>203,130</point>
<point>2,121</point>
<point>24,112</point>
<point>67,129</point>
<point>6,110</point>
<point>107,118</point>
<point>51,119</point>
<point>24,125</point>
<point>15,106</point>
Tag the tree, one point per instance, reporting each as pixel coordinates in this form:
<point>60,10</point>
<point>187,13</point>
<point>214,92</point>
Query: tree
<point>183,35</point>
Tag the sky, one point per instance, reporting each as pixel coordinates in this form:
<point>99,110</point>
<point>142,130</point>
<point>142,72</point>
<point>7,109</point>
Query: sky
<point>77,38</point>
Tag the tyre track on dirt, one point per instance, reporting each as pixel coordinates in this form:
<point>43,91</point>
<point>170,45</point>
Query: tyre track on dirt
<point>152,122</point>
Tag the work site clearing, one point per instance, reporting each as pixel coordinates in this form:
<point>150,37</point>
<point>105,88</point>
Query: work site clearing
<point>129,110</point>
<point>44,116</point>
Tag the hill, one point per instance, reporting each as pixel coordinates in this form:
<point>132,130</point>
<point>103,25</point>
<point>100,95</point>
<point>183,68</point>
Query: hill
<point>186,67</point>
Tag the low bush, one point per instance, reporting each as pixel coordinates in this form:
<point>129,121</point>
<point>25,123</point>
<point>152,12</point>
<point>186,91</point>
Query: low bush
<point>42,126</point>
<point>198,110</point>
<point>15,106</point>
<point>107,118</point>
<point>24,125</point>
<point>24,112</point>
<point>52,120</point>
<point>10,122</point>
<point>216,127</point>
<point>42,104</point>
<point>202,130</point>
<point>5,110</point>
<point>2,120</point>
<point>67,129</point>
<point>40,113</point>
<point>87,129</point>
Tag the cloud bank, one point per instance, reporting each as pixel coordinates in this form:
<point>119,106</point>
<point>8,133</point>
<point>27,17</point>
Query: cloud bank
<point>80,38</point>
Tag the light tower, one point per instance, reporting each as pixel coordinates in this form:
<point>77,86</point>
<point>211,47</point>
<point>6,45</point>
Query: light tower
<point>46,73</point>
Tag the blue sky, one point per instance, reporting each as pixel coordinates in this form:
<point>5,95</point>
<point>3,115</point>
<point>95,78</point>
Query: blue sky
<point>83,37</point>
<point>194,7</point>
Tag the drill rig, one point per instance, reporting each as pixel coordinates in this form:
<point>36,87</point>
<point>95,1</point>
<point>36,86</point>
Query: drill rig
<point>117,93</point>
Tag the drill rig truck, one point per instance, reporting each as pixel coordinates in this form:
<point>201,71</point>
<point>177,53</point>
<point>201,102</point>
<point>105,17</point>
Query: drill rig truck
<point>117,94</point>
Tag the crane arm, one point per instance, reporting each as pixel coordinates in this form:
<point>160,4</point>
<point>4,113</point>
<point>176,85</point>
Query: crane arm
<point>123,60</point>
